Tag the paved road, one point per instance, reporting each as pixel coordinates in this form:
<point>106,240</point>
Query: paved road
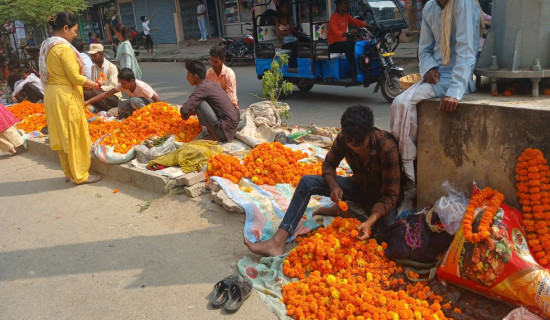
<point>323,105</point>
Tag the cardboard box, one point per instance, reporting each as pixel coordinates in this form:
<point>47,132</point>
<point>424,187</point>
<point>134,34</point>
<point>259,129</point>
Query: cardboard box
<point>320,30</point>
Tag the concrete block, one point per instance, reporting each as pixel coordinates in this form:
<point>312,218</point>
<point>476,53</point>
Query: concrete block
<point>214,186</point>
<point>195,190</point>
<point>191,178</point>
<point>480,141</point>
<point>221,198</point>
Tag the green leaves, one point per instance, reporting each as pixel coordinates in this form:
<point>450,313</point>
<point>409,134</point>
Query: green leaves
<point>273,83</point>
<point>37,11</point>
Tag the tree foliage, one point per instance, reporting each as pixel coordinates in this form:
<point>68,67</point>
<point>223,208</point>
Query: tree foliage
<point>37,11</point>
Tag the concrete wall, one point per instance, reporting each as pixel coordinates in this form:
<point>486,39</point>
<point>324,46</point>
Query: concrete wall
<point>480,141</point>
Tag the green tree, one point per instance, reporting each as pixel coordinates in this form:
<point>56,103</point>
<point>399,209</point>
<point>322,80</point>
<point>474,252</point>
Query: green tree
<point>37,11</point>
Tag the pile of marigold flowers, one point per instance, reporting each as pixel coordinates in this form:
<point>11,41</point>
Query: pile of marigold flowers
<point>273,163</point>
<point>32,123</point>
<point>156,119</point>
<point>225,166</point>
<point>26,108</point>
<point>351,279</point>
<point>99,128</point>
<point>533,191</point>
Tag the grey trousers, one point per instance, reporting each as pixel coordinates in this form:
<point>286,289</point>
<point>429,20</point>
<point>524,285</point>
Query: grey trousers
<point>208,119</point>
<point>127,107</point>
<point>103,105</point>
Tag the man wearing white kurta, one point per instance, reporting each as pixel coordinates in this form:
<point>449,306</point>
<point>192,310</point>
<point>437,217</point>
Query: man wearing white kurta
<point>449,41</point>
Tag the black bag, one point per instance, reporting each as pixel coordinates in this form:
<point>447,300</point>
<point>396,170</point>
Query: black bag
<point>432,244</point>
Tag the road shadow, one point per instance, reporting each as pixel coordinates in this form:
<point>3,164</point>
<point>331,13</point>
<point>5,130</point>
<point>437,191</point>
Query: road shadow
<point>164,260</point>
<point>19,188</point>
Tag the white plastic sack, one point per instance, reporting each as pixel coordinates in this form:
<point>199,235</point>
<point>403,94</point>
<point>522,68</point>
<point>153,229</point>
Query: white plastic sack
<point>521,314</point>
<point>106,154</point>
<point>144,154</point>
<point>451,208</point>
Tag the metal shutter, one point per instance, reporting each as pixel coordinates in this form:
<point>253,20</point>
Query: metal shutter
<point>164,19</point>
<point>127,14</point>
<point>189,19</point>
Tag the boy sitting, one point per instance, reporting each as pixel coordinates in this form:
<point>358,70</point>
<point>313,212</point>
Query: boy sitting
<point>210,103</point>
<point>141,94</point>
<point>29,88</point>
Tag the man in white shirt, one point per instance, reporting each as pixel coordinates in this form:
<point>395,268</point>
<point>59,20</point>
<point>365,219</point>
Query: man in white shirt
<point>147,33</point>
<point>28,88</point>
<point>201,19</point>
<point>141,94</point>
<point>79,45</point>
<point>106,73</point>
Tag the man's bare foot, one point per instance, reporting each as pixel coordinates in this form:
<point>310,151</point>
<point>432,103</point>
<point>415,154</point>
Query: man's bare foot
<point>271,247</point>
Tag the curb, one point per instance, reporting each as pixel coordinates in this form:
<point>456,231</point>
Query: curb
<point>125,173</point>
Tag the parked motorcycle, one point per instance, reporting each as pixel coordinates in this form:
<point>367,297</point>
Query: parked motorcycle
<point>137,39</point>
<point>238,49</point>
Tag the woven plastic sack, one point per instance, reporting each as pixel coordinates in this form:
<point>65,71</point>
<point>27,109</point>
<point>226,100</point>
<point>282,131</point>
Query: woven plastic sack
<point>499,267</point>
<point>107,154</point>
<point>144,154</point>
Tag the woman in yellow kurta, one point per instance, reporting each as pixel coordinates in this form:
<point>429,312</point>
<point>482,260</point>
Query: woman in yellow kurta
<point>62,73</point>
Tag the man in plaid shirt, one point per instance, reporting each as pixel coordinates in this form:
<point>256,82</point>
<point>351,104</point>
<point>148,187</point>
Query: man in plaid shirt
<point>373,156</point>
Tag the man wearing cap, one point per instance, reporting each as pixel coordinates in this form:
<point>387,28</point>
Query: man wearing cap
<point>106,74</point>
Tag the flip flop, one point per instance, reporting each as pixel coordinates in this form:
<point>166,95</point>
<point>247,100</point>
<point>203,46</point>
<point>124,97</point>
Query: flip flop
<point>221,289</point>
<point>238,292</point>
<point>93,178</point>
<point>69,179</point>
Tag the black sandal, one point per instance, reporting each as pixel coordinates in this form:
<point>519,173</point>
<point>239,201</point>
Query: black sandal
<point>238,292</point>
<point>221,290</point>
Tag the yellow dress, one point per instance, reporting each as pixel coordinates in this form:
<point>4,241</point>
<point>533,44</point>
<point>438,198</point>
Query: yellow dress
<point>64,102</point>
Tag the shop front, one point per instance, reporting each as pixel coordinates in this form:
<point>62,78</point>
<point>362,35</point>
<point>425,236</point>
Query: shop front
<point>163,25</point>
<point>95,18</point>
<point>236,16</point>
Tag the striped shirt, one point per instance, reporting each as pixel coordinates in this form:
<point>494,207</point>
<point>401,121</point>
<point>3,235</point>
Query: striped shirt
<point>379,177</point>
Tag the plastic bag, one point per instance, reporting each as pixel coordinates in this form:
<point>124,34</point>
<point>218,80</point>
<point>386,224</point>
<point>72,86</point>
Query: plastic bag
<point>144,154</point>
<point>501,266</point>
<point>451,208</point>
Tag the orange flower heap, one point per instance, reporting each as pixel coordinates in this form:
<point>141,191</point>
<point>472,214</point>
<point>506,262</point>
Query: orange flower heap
<point>100,128</point>
<point>350,279</point>
<point>26,108</point>
<point>489,198</point>
<point>533,191</point>
<point>272,163</point>
<point>32,123</point>
<point>156,119</point>
<point>225,166</point>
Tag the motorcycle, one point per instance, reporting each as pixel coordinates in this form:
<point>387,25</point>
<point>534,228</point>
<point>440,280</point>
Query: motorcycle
<point>241,48</point>
<point>137,39</point>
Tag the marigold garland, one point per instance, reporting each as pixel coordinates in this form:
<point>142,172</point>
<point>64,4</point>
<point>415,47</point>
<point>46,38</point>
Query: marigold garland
<point>225,166</point>
<point>351,279</point>
<point>489,198</point>
<point>24,109</point>
<point>32,123</point>
<point>272,163</point>
<point>99,128</point>
<point>156,119</point>
<point>533,191</point>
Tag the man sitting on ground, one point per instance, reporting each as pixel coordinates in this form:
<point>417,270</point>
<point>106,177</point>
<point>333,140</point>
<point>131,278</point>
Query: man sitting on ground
<point>29,88</point>
<point>106,73</point>
<point>213,107</point>
<point>222,74</point>
<point>373,156</point>
<point>140,92</point>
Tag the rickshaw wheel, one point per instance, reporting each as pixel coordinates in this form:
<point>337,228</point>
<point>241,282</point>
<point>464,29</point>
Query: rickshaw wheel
<point>390,92</point>
<point>304,87</point>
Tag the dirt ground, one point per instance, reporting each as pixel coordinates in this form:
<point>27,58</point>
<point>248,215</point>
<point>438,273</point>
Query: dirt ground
<point>84,252</point>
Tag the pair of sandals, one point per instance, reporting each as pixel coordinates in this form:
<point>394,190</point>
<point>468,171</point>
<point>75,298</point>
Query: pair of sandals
<point>231,293</point>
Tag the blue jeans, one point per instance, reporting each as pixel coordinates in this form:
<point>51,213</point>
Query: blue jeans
<point>202,26</point>
<point>316,185</point>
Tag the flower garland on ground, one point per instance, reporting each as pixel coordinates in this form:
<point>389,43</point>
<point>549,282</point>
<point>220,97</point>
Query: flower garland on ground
<point>533,191</point>
<point>32,123</point>
<point>489,198</point>
<point>225,166</point>
<point>272,163</point>
<point>26,108</point>
<point>99,128</point>
<point>351,279</point>
<point>156,119</point>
